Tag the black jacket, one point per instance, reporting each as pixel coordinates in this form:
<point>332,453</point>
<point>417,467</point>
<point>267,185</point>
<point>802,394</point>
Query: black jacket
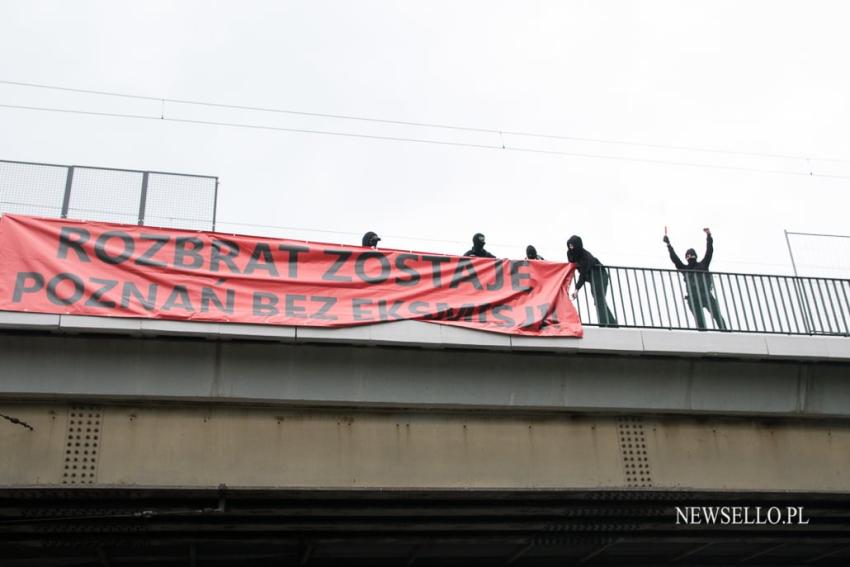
<point>702,265</point>
<point>478,252</point>
<point>584,260</point>
<point>693,277</point>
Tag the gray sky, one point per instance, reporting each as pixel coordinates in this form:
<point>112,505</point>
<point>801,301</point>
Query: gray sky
<point>765,77</point>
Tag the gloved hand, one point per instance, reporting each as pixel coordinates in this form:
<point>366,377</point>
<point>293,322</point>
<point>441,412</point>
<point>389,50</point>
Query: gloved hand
<point>666,240</point>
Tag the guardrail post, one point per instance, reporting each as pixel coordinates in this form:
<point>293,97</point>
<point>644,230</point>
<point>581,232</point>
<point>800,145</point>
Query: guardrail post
<point>215,204</point>
<point>144,197</point>
<point>66,199</point>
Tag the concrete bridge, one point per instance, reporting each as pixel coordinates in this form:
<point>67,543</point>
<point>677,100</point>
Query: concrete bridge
<point>131,442</point>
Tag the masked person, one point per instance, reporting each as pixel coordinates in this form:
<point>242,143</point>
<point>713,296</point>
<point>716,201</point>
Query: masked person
<point>370,240</point>
<point>591,269</point>
<point>698,282</point>
<point>531,253</point>
<point>478,247</point>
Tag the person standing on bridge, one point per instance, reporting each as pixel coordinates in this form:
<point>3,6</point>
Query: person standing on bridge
<point>591,269</point>
<point>698,281</point>
<point>477,249</point>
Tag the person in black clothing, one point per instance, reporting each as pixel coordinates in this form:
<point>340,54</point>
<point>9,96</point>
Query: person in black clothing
<point>698,282</point>
<point>591,269</point>
<point>531,253</point>
<point>370,240</point>
<point>478,247</point>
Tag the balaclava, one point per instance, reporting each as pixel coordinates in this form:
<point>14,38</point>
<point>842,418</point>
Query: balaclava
<point>478,241</point>
<point>370,239</point>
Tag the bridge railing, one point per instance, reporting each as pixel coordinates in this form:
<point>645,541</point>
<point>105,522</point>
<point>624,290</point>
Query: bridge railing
<point>672,299</point>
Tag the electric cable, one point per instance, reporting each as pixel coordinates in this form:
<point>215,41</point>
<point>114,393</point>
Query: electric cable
<point>419,124</point>
<point>423,141</point>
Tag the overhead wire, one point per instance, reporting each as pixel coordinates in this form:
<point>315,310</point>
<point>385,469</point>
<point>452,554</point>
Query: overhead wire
<point>501,146</point>
<point>254,108</point>
<point>250,126</point>
<point>163,118</point>
<point>423,124</point>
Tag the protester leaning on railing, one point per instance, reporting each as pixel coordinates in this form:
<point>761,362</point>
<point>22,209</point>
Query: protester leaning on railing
<point>591,269</point>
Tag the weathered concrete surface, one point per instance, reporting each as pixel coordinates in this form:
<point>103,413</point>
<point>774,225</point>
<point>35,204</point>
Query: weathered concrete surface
<point>120,368</point>
<point>202,445</point>
<point>413,405</point>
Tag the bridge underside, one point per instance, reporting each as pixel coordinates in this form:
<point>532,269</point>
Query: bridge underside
<point>186,450</point>
<point>122,526</point>
<point>214,484</point>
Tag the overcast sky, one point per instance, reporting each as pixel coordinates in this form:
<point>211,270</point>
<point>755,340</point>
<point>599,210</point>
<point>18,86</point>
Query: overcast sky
<point>752,77</point>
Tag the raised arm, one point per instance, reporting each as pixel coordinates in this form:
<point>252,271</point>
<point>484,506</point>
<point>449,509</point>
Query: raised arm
<point>673,256</point>
<point>709,248</point>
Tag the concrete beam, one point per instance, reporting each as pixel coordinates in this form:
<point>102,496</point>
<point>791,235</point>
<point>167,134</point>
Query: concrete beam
<point>438,336</point>
<point>168,368</point>
<point>170,446</point>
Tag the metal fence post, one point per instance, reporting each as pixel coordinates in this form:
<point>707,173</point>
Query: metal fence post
<point>66,199</point>
<point>790,252</point>
<point>215,204</point>
<point>143,199</point>
<point>804,307</point>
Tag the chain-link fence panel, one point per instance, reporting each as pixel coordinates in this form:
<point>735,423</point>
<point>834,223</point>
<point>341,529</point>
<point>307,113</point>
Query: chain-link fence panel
<point>105,195</point>
<point>819,255</point>
<point>32,189</point>
<point>155,198</point>
<point>180,201</point>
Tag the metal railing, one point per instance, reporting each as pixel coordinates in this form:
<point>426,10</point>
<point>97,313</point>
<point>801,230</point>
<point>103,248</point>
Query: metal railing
<point>752,303</point>
<point>155,198</point>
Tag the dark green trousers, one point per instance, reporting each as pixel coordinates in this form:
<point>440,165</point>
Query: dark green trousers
<point>598,289</point>
<point>701,296</point>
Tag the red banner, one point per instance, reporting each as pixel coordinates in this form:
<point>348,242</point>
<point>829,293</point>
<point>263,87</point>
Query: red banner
<point>95,268</point>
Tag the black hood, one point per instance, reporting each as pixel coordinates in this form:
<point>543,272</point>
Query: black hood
<point>576,242</point>
<point>531,252</point>
<point>693,256</point>
<point>370,239</point>
<point>478,240</point>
